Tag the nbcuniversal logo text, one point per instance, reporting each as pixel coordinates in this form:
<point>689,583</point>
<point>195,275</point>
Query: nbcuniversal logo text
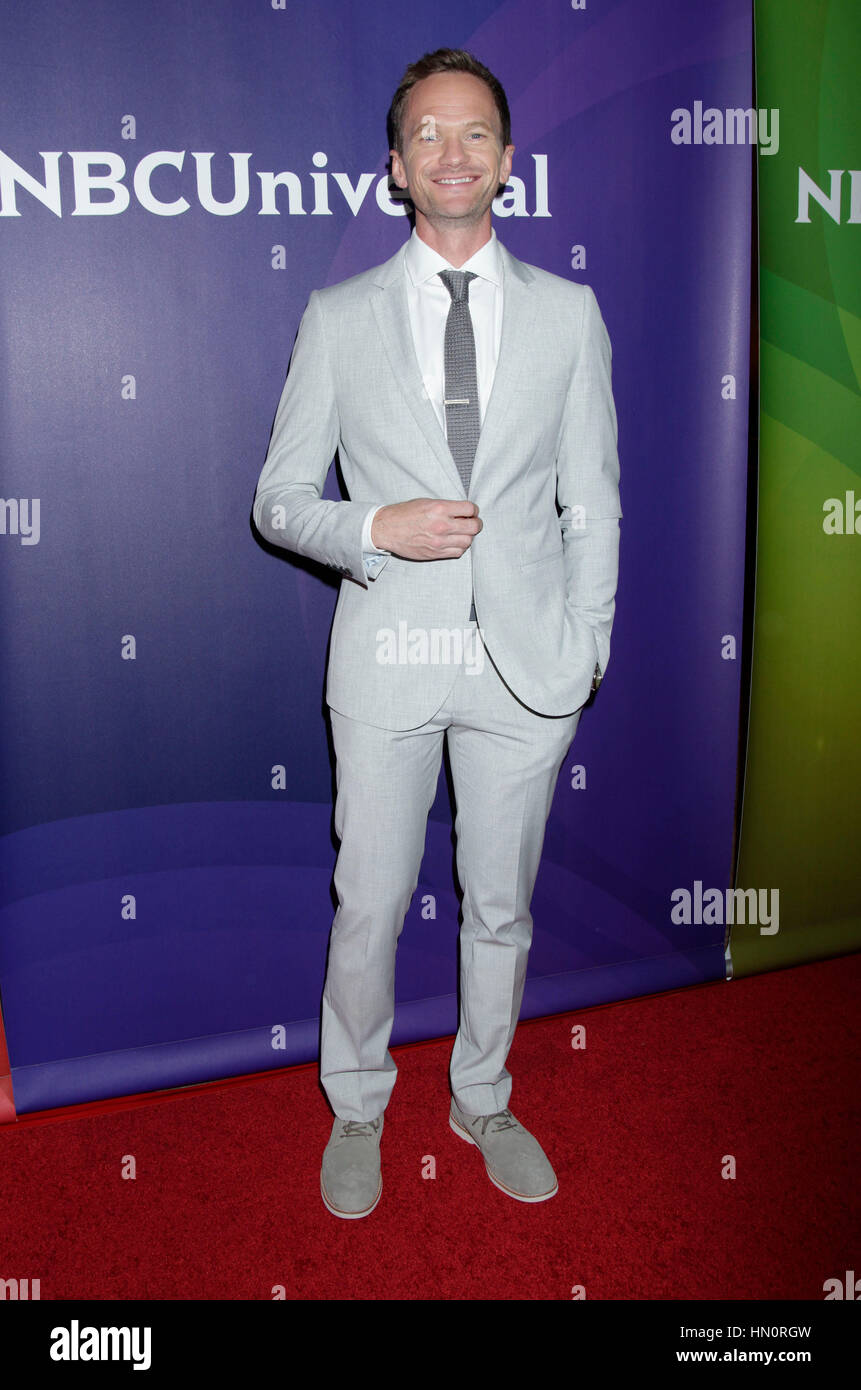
<point>717,907</point>
<point>98,182</point>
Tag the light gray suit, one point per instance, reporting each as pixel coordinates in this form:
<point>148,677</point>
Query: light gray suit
<point>544,583</point>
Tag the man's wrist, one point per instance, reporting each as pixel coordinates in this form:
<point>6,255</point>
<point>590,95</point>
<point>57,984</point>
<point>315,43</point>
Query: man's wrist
<point>377,541</point>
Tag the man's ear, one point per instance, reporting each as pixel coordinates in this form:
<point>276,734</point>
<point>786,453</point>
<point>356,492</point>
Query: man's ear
<point>399,173</point>
<point>508,155</point>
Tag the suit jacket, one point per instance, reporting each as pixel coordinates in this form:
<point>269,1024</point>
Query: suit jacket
<point>543,575</point>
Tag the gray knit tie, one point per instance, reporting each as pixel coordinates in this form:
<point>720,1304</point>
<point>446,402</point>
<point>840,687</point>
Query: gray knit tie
<point>460,392</point>
<point>462,414</point>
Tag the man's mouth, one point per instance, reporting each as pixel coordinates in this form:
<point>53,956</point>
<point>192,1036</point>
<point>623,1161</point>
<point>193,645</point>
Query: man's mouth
<point>463,178</point>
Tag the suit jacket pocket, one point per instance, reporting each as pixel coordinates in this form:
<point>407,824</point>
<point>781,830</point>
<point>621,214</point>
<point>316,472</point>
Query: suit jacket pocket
<point>545,559</point>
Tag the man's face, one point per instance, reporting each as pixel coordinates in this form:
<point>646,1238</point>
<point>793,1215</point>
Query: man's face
<point>453,161</point>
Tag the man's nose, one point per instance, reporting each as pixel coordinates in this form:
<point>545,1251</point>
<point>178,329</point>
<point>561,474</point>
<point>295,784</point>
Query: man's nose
<point>452,151</point>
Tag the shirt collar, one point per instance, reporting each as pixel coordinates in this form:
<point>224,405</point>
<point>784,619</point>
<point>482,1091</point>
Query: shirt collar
<point>423,263</point>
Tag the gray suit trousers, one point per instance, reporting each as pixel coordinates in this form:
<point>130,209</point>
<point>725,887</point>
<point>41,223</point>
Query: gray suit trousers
<point>505,761</point>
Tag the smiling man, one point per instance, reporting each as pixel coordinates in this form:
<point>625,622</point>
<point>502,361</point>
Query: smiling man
<point>453,157</point>
<point>469,398</point>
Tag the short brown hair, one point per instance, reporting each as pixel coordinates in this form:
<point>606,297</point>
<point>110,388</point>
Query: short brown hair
<point>445,60</point>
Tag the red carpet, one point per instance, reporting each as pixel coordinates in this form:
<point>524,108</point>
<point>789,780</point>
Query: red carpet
<point>226,1203</point>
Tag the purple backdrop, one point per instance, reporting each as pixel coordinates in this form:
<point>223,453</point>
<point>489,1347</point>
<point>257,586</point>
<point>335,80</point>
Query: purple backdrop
<point>146,340</point>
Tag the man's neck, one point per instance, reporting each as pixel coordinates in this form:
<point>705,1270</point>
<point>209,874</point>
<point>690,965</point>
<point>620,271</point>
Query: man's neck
<point>455,243</point>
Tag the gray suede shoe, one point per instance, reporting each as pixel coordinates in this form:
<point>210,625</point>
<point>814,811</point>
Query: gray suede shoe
<point>515,1161</point>
<point>351,1183</point>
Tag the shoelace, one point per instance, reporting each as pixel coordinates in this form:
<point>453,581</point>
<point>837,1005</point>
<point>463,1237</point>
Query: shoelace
<point>505,1116</point>
<point>362,1129</point>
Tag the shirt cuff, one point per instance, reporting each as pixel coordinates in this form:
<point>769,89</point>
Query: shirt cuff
<point>368,546</point>
<point>373,558</point>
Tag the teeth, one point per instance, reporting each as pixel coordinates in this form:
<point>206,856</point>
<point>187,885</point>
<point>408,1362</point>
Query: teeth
<point>469,178</point>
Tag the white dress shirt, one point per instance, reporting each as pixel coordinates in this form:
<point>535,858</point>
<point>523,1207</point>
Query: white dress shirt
<point>429,302</point>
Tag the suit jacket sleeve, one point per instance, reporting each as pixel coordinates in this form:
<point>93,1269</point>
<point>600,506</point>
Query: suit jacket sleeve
<point>588,484</point>
<point>289,509</point>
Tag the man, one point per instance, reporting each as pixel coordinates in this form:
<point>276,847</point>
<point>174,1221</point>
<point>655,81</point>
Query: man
<point>467,394</point>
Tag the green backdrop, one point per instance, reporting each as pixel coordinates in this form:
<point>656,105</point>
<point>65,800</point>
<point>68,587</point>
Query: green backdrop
<point>801,815</point>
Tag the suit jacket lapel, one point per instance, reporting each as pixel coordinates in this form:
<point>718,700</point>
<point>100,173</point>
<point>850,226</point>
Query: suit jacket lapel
<point>393,318</point>
<point>512,367</point>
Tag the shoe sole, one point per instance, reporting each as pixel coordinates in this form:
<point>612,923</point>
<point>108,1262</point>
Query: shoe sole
<point>349,1215</point>
<point>509,1191</point>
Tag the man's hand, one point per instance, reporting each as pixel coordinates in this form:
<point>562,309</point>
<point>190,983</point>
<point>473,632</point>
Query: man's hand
<point>426,528</point>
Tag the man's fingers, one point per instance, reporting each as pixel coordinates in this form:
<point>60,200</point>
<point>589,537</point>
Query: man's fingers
<point>464,517</point>
<point>460,507</point>
<point>427,528</point>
